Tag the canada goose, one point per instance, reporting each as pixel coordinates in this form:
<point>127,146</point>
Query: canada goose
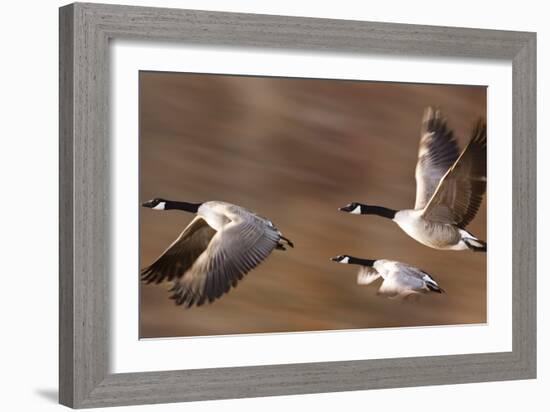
<point>220,245</point>
<point>449,188</point>
<point>400,279</point>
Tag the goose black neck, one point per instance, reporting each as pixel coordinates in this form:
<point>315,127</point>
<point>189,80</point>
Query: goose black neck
<point>186,206</point>
<point>361,262</point>
<point>378,210</point>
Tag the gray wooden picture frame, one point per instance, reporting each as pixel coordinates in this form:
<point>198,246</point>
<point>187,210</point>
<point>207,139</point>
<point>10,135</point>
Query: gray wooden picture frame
<point>85,32</point>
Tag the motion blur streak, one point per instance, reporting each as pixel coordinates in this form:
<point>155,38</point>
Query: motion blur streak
<point>295,150</point>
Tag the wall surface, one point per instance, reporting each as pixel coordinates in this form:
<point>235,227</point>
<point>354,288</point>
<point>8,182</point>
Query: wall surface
<point>28,208</point>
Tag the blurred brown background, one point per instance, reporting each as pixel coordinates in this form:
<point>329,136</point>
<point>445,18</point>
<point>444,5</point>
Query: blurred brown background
<point>294,150</point>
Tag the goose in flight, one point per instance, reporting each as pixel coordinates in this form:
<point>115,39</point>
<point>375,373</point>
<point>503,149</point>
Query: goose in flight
<point>399,279</point>
<point>449,188</point>
<point>220,245</point>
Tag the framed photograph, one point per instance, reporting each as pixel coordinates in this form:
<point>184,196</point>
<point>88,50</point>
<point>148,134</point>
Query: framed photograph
<point>285,201</point>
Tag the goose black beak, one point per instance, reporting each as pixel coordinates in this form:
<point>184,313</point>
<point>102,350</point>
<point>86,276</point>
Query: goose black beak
<point>334,259</point>
<point>347,208</point>
<point>148,204</point>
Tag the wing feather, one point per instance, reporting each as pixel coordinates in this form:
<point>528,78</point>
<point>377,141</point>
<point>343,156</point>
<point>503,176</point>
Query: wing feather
<point>367,275</point>
<point>460,193</point>
<point>437,152</point>
<point>181,254</point>
<point>233,251</point>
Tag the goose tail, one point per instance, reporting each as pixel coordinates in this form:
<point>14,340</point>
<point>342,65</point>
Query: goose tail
<point>434,288</point>
<point>472,242</point>
<point>476,245</point>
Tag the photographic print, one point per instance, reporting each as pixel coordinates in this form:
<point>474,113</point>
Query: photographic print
<point>275,204</point>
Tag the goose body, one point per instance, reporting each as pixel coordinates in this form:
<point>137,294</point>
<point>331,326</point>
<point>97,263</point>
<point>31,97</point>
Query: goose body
<point>220,245</point>
<point>399,279</point>
<point>449,188</point>
<point>443,236</point>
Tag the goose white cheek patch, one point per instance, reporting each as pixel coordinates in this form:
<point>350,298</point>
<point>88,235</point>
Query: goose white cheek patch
<point>160,206</point>
<point>345,260</point>
<point>357,210</point>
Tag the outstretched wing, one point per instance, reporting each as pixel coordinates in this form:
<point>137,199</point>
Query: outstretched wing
<point>367,275</point>
<point>181,254</point>
<point>437,152</point>
<point>460,193</point>
<point>232,252</point>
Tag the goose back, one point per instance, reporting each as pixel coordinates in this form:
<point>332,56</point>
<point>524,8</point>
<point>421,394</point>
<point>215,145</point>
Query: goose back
<point>401,279</point>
